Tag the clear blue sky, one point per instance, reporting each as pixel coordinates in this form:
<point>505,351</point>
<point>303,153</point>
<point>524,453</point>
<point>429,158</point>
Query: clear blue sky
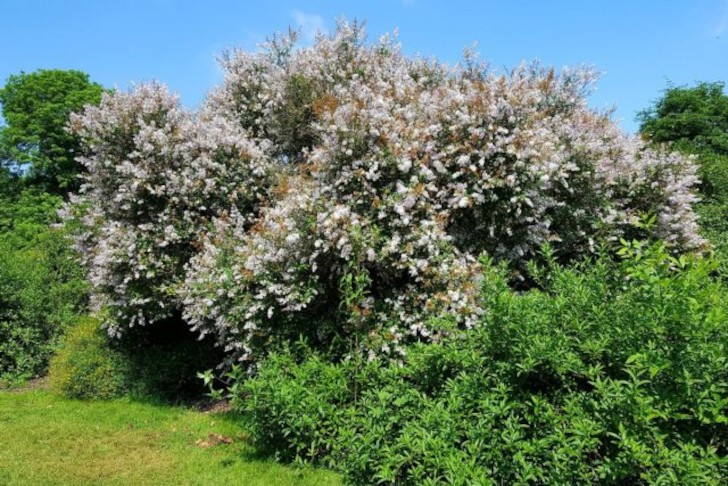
<point>638,45</point>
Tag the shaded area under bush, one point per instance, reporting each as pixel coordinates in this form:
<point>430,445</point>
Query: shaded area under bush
<point>160,361</point>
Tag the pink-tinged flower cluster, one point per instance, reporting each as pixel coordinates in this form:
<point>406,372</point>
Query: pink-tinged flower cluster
<point>156,177</point>
<point>346,188</point>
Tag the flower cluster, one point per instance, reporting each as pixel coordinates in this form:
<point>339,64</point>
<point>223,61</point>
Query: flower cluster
<point>347,189</point>
<point>156,176</point>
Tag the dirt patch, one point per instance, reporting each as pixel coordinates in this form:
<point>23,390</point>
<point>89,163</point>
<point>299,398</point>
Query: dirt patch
<point>41,383</point>
<point>213,406</point>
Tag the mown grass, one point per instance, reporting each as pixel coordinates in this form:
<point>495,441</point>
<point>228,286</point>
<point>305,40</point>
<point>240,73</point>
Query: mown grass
<point>46,439</point>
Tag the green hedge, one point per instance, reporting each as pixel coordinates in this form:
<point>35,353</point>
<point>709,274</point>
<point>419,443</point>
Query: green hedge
<point>606,374</point>
<point>42,291</point>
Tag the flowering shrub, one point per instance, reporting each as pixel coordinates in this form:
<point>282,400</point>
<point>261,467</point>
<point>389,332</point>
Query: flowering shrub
<point>347,189</point>
<point>156,176</point>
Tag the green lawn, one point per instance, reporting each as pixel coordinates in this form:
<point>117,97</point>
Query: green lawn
<point>46,439</point>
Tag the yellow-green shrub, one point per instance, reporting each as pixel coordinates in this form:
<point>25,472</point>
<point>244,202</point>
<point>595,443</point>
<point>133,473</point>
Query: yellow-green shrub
<point>87,367</point>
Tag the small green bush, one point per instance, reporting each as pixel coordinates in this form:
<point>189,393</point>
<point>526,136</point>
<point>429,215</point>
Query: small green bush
<point>87,367</point>
<point>605,374</point>
<point>296,410</point>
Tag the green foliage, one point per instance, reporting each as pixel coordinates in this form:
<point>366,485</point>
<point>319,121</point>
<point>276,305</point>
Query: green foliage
<point>607,373</point>
<point>694,120</point>
<point>297,410</point>
<point>42,288</point>
<point>162,363</point>
<point>87,367</point>
<point>36,109</point>
<point>41,293</point>
<point>28,213</point>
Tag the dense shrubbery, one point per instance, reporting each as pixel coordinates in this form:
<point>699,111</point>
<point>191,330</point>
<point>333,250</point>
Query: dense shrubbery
<point>601,375</point>
<point>42,286</point>
<point>345,191</point>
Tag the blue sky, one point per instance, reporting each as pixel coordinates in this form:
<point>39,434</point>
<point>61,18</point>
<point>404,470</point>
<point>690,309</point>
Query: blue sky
<point>638,45</point>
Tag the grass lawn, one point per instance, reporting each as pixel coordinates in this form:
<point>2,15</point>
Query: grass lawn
<point>46,439</point>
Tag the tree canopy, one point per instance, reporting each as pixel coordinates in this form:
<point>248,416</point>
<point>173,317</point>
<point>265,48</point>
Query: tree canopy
<point>694,118</point>
<point>34,142</point>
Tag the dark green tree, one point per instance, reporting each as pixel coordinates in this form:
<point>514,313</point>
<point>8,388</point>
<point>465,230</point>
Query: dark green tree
<point>34,142</point>
<point>694,120</point>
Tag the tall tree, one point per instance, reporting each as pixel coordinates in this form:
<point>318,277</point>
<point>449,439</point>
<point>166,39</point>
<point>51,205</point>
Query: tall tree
<point>34,142</point>
<point>694,120</point>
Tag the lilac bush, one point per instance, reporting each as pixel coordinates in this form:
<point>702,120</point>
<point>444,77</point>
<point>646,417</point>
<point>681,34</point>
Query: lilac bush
<point>345,189</point>
<point>156,176</point>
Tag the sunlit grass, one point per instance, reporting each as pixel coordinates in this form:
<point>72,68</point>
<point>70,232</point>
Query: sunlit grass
<point>46,439</point>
